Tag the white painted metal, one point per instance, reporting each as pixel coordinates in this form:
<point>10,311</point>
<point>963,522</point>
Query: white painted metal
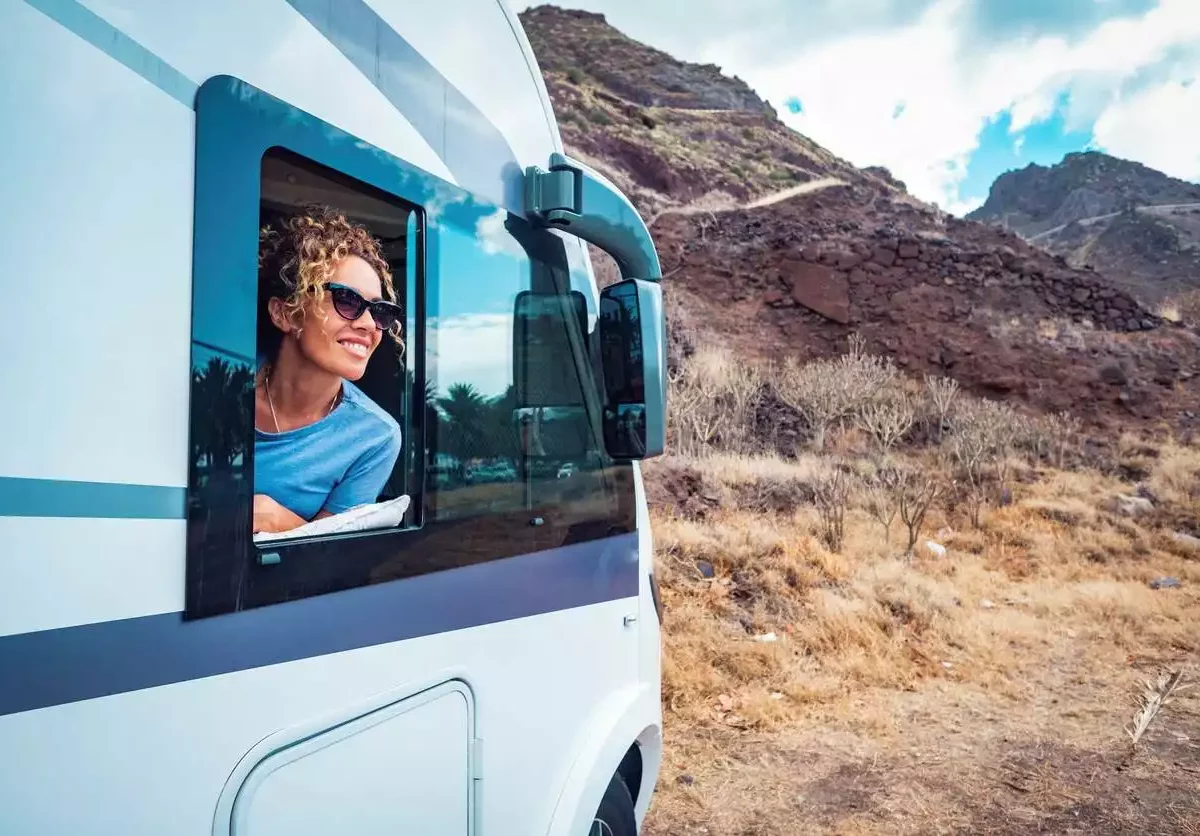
<point>404,768</point>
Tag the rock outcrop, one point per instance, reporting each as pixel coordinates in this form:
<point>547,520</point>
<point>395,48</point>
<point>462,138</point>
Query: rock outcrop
<point>1137,226</point>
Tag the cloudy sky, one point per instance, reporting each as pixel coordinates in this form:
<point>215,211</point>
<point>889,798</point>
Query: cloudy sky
<point>950,93</point>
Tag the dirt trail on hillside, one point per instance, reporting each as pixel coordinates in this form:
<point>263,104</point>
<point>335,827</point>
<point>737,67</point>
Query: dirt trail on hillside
<point>702,208</point>
<point>1148,210</point>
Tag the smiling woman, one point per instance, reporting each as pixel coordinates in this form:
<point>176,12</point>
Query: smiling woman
<point>326,303</point>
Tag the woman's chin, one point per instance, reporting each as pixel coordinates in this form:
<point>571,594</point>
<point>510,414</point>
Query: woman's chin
<point>354,371</point>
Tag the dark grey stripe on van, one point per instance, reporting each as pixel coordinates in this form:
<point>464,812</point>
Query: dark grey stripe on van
<point>54,667</point>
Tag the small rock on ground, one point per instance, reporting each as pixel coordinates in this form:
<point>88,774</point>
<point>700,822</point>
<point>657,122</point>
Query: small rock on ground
<point>1185,541</point>
<point>1131,506</point>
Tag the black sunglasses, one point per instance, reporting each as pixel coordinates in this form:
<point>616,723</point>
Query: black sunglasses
<point>350,304</point>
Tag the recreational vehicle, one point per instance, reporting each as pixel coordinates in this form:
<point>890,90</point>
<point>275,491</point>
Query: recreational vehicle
<point>320,501</point>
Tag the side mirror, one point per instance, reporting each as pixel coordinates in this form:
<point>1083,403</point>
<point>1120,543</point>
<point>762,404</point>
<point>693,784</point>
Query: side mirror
<point>633,350</point>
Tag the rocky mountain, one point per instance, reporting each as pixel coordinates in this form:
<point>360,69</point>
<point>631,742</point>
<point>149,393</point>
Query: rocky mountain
<point>1137,226</point>
<point>777,247</point>
<point>668,133</point>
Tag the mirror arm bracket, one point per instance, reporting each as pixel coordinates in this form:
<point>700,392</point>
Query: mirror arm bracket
<point>574,198</point>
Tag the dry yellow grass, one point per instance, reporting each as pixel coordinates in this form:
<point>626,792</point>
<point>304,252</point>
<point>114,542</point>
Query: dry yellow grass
<point>910,695</point>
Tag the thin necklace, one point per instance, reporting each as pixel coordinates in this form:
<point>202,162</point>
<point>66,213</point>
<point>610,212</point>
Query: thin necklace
<point>271,401</point>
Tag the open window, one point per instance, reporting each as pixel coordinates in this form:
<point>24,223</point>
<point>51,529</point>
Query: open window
<point>496,397</point>
<point>293,188</point>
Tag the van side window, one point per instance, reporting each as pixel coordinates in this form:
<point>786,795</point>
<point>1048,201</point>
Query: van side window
<point>390,377</point>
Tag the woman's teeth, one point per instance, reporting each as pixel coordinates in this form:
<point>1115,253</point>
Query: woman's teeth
<point>357,349</point>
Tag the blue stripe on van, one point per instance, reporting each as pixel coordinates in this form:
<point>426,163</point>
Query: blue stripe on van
<point>58,498</point>
<point>473,148</point>
<point>108,39</point>
<point>54,667</point>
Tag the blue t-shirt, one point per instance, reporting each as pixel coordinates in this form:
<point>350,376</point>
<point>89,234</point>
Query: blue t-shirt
<point>335,464</point>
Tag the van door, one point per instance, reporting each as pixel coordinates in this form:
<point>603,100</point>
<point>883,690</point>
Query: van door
<point>403,768</point>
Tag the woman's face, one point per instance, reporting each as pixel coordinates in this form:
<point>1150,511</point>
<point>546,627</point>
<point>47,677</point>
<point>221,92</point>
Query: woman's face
<point>333,343</point>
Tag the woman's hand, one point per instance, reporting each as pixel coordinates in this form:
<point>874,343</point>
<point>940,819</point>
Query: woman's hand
<point>270,517</point>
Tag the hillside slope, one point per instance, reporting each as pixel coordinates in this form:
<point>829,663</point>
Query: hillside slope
<point>702,155</point>
<point>1136,225</point>
<point>668,132</point>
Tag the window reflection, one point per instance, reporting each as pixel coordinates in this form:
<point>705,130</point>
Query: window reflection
<point>518,417</point>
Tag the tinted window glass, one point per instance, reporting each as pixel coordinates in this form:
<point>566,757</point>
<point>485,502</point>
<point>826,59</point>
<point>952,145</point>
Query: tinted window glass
<point>516,402</point>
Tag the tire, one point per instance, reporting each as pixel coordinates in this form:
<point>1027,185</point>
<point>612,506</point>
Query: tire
<point>615,816</point>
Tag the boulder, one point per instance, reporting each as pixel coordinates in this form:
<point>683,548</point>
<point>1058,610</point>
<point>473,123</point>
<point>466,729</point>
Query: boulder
<point>883,257</point>
<point>820,289</point>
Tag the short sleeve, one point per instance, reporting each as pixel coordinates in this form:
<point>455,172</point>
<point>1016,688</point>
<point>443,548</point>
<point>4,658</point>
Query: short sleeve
<point>367,475</point>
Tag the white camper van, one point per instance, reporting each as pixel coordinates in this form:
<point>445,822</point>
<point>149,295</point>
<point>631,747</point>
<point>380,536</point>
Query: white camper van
<point>425,608</point>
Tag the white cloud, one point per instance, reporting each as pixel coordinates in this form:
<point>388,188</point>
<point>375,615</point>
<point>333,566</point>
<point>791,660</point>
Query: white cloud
<point>495,238</point>
<point>952,85</point>
<point>1158,126</point>
<point>472,348</point>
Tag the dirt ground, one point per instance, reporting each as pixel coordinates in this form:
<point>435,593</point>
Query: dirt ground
<point>986,691</point>
<point>950,758</point>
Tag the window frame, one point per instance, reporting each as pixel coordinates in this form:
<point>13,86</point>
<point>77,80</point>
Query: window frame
<point>236,125</point>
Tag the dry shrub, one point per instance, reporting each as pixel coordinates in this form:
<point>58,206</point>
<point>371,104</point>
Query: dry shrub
<point>760,482</point>
<point>832,495</point>
<point>826,393</point>
<point>1175,476</point>
<point>1182,309</point>
<point>713,399</point>
<point>914,491</point>
<point>902,490</point>
<point>887,419</point>
<point>941,393</point>
<point>981,444</point>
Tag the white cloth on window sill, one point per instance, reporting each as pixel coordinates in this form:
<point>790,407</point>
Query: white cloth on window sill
<point>363,518</point>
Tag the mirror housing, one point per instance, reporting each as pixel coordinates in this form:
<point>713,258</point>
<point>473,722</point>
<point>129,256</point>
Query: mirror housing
<point>633,350</point>
<point>575,199</point>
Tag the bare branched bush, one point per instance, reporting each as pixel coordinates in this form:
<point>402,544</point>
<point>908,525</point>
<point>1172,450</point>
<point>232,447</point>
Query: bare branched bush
<point>887,419</point>
<point>941,392</point>
<point>713,401</point>
<point>1032,434</point>
<point>832,495</point>
<point>828,392</point>
<point>1063,432</point>
<point>816,393</point>
<point>914,492</point>
<point>983,435</point>
<point>880,498</point>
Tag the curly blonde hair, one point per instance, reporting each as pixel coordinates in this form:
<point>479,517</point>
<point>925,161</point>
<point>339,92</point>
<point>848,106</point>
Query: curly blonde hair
<point>297,259</point>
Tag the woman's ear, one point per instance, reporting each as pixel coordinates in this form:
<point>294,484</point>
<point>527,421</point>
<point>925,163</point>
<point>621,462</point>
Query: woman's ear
<point>279,317</point>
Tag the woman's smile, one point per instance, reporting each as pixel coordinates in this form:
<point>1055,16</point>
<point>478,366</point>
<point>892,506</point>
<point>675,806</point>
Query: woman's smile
<point>359,347</point>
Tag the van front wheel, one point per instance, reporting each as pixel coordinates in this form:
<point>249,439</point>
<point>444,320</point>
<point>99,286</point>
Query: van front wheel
<point>615,816</point>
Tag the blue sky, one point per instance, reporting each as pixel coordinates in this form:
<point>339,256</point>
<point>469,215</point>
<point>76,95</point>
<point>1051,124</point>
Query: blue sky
<point>949,94</point>
<point>1001,149</point>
